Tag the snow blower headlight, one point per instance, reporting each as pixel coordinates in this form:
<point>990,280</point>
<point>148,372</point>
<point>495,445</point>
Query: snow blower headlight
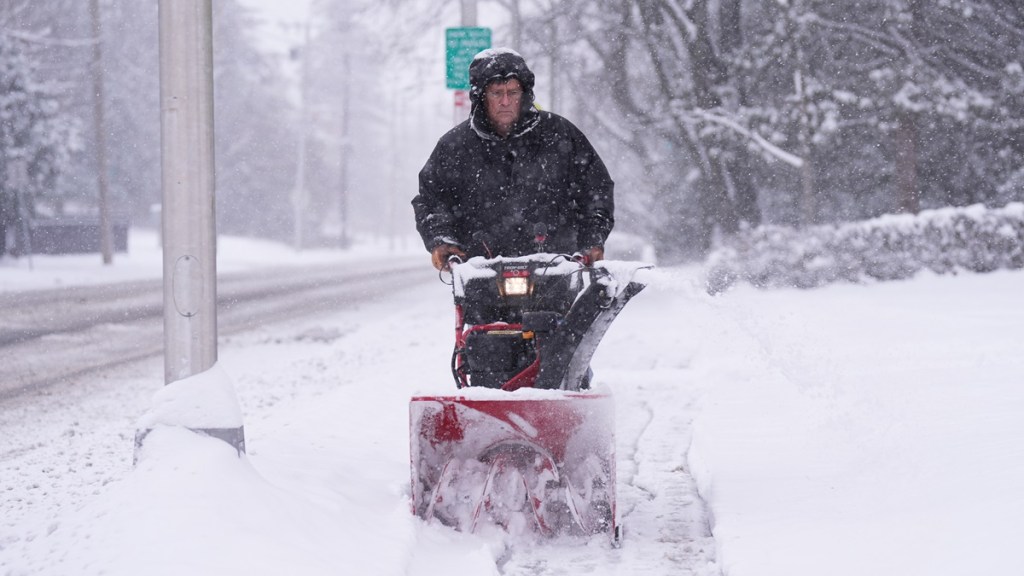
<point>515,282</point>
<point>517,286</point>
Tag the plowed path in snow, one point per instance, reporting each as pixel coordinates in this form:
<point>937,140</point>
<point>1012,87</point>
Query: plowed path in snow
<point>644,361</point>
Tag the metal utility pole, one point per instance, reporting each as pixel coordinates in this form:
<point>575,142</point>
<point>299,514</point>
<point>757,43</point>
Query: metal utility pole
<point>469,12</point>
<point>189,230</point>
<point>461,45</point>
<point>186,109</point>
<point>106,242</point>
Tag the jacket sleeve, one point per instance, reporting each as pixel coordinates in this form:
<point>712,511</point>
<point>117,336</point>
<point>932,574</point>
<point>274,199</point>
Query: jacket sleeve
<point>433,206</point>
<point>594,196</point>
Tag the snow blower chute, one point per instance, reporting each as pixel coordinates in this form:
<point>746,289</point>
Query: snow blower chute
<point>525,446</point>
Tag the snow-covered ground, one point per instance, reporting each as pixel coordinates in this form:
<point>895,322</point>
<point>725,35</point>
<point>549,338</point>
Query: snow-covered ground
<point>870,429</point>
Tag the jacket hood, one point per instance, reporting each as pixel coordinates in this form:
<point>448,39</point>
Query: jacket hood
<point>498,64</point>
<point>493,65</point>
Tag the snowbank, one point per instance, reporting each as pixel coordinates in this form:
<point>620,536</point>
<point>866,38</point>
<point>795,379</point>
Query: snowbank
<point>894,247</point>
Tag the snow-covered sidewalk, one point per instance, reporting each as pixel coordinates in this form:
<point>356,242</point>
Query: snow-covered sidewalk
<point>867,429</point>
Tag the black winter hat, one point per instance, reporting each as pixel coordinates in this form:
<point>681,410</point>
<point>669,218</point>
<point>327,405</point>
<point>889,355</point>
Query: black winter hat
<point>496,64</point>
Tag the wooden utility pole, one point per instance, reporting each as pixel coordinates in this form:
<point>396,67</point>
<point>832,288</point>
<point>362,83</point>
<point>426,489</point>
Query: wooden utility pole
<point>346,148</point>
<point>300,195</point>
<point>106,241</point>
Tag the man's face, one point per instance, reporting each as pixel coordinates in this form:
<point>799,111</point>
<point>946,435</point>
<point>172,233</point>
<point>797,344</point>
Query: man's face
<point>502,100</point>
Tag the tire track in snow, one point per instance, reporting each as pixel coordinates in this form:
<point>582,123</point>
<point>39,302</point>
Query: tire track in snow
<point>671,521</point>
<point>634,460</point>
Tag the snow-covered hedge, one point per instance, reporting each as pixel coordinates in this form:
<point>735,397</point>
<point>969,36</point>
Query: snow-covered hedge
<point>893,247</point>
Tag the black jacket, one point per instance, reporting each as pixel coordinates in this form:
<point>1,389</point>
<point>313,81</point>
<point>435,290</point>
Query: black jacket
<point>493,196</point>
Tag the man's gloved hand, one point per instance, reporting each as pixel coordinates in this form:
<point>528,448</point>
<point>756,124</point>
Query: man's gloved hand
<point>440,254</point>
<point>593,254</point>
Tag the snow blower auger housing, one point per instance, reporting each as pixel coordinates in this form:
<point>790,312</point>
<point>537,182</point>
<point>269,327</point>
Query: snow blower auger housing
<point>525,446</point>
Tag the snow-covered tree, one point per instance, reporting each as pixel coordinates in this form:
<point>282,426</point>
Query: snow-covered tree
<point>802,111</point>
<point>130,68</point>
<point>37,137</point>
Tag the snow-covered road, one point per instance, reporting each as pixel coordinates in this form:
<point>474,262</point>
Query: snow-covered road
<point>97,326</point>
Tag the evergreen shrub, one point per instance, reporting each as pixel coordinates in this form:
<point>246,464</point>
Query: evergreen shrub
<point>891,247</point>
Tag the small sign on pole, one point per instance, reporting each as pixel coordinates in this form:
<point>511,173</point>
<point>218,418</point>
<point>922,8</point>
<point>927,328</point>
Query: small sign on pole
<point>461,105</point>
<point>461,44</point>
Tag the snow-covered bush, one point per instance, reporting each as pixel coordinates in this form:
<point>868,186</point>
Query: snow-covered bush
<point>893,247</point>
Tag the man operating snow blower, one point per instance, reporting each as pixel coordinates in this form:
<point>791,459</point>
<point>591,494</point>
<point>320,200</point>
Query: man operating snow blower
<point>516,203</point>
<point>512,180</point>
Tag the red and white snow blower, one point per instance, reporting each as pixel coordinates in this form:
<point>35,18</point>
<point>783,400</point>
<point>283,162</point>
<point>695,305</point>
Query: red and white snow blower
<point>525,446</point>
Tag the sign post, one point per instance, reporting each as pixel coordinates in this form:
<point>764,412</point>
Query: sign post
<point>461,44</point>
<point>462,106</point>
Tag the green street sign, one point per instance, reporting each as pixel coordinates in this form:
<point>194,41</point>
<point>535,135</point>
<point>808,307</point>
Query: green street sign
<point>461,44</point>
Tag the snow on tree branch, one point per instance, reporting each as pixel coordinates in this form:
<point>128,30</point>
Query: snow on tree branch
<point>773,150</point>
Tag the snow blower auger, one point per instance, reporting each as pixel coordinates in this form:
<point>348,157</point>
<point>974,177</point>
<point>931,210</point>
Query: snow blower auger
<point>525,446</point>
